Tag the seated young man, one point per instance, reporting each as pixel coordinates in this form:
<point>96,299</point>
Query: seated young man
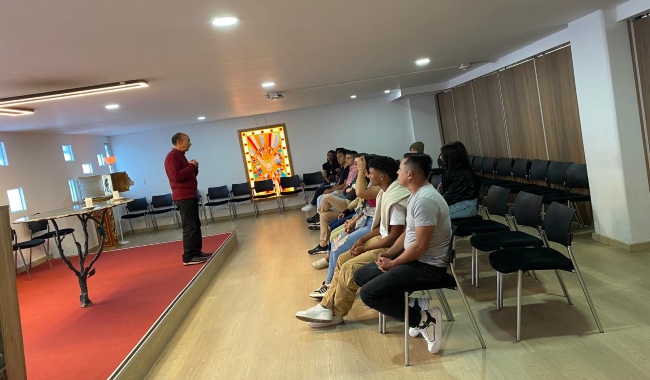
<point>418,259</point>
<point>387,226</point>
<point>330,169</point>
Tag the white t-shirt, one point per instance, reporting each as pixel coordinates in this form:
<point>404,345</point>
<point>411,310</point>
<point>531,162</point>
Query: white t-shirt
<point>428,208</point>
<point>397,214</point>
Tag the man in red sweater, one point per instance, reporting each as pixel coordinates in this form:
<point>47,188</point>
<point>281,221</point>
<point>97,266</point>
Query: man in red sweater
<point>182,179</point>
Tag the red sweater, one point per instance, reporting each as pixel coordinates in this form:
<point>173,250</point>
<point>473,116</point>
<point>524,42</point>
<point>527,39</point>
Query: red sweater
<point>182,175</point>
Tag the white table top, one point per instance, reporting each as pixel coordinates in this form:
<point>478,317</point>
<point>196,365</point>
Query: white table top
<point>74,210</point>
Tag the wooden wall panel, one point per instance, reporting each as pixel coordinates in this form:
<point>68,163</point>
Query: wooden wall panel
<point>487,100</point>
<point>642,44</point>
<point>523,114</point>
<point>557,92</point>
<point>447,118</point>
<point>466,119</point>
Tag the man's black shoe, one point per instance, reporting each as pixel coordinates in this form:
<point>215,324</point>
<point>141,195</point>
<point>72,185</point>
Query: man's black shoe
<point>313,219</point>
<point>318,249</point>
<point>195,260</point>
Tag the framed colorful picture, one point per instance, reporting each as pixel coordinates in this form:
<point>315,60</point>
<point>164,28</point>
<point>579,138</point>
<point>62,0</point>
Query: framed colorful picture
<point>266,155</point>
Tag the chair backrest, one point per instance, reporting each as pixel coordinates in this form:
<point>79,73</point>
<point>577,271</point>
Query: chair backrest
<point>528,209</point>
<point>287,182</point>
<point>476,164</point>
<point>315,178</point>
<point>487,166</point>
<point>220,192</point>
<point>576,176</point>
<point>557,223</point>
<point>520,168</point>
<point>161,201</point>
<point>538,170</point>
<point>139,204</point>
<point>14,237</point>
<point>39,226</point>
<point>556,173</point>
<point>504,167</point>
<point>497,200</point>
<point>471,159</point>
<point>239,189</point>
<point>263,185</point>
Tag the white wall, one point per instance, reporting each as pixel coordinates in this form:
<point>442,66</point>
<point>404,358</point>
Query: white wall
<point>36,164</point>
<point>426,128</point>
<point>372,126</point>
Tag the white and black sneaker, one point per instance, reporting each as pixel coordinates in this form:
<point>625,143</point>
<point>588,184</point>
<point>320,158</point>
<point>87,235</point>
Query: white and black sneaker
<point>430,328</point>
<point>317,249</point>
<point>320,292</point>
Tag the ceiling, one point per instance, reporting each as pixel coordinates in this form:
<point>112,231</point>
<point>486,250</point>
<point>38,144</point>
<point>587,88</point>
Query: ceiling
<point>195,69</point>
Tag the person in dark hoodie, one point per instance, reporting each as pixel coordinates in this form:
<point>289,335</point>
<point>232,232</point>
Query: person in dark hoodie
<point>460,185</point>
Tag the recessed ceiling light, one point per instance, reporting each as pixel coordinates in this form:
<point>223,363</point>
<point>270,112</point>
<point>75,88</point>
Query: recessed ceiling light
<point>112,106</point>
<point>201,117</point>
<point>386,91</point>
<point>353,96</point>
<point>268,84</point>
<point>422,62</point>
<point>224,21</point>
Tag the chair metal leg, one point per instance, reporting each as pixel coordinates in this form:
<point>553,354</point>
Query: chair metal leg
<point>577,215</point>
<point>24,263</point>
<point>382,323</point>
<point>131,224</point>
<point>519,280</point>
<point>473,270</point>
<point>499,290</point>
<point>584,290</point>
<point>566,294</point>
<point>469,310</point>
<point>445,305</point>
<point>476,268</point>
<point>406,328</point>
<point>534,275</point>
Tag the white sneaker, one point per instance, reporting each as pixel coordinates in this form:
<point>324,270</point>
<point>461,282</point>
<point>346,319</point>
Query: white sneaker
<point>320,292</point>
<point>431,328</point>
<point>318,314</point>
<point>321,263</point>
<point>308,207</point>
<point>317,325</point>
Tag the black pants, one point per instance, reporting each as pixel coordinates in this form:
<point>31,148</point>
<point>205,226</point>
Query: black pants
<point>191,223</point>
<point>321,189</point>
<point>384,291</point>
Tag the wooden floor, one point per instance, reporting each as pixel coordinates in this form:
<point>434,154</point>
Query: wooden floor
<point>244,326</point>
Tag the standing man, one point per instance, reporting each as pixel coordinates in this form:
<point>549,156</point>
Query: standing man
<point>182,179</point>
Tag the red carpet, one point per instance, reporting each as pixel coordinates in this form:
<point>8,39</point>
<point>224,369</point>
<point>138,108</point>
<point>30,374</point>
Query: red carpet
<point>130,290</point>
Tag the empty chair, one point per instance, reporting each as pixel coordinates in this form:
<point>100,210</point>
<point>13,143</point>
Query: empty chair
<point>450,281</point>
<point>556,228</point>
<point>576,178</point>
<point>290,186</point>
<point>218,196</point>
<point>240,192</point>
<point>264,190</point>
<point>476,164</point>
<point>162,204</point>
<point>41,230</point>
<point>199,198</point>
<point>18,248</point>
<point>137,208</point>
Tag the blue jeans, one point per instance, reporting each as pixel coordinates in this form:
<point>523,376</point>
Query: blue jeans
<point>463,209</point>
<point>348,242</point>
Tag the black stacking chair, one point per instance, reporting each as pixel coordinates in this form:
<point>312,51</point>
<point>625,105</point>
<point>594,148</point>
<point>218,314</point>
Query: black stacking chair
<point>240,192</point>
<point>556,228</point>
<point>218,196</point>
<point>476,164</point>
<point>505,168</point>
<point>291,186</point>
<point>450,281</point>
<point>18,248</point>
<point>487,170</point>
<point>41,230</point>
<point>263,191</point>
<point>576,178</point>
<point>527,212</point>
<point>496,204</point>
<point>162,204</point>
<point>137,208</point>
<point>312,181</point>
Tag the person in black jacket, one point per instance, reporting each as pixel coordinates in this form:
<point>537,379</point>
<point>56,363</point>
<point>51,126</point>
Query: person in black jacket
<point>460,185</point>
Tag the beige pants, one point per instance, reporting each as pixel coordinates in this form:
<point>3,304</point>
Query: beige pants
<point>340,296</point>
<point>330,208</point>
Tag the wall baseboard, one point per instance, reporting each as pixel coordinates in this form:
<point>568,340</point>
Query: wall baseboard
<point>636,247</point>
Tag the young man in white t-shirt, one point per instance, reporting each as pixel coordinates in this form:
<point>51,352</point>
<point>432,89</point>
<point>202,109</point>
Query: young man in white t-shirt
<point>418,259</point>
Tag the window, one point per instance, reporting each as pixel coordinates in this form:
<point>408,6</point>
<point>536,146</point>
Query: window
<point>16,200</point>
<point>67,153</point>
<point>87,168</point>
<point>100,159</point>
<point>107,150</point>
<point>73,190</point>
<point>3,155</point>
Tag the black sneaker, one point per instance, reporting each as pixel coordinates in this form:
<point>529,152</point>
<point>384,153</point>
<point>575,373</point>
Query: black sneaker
<point>195,260</point>
<point>205,254</point>
<point>313,219</point>
<point>317,250</point>
<point>314,227</point>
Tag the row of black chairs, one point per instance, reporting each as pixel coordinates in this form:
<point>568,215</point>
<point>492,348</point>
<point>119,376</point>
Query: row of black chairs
<point>561,179</point>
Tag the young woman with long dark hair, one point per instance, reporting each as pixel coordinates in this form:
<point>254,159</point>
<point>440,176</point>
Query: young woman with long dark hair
<point>460,185</point>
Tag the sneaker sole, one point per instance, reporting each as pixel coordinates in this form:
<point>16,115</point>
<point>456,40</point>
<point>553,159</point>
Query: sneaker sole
<point>313,320</point>
<point>195,262</point>
<point>437,331</point>
<point>319,296</point>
